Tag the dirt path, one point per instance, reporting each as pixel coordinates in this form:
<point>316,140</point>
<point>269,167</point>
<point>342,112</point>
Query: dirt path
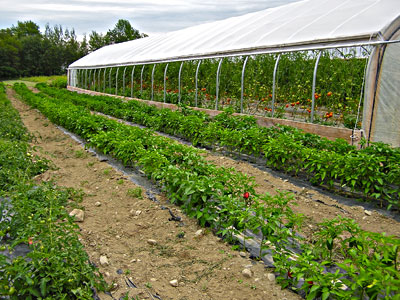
<point>119,225</point>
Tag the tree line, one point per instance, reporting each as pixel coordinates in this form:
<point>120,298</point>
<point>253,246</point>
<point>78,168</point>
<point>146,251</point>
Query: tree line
<point>26,51</point>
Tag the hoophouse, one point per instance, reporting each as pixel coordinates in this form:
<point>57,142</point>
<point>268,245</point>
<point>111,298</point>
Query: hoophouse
<point>308,26</point>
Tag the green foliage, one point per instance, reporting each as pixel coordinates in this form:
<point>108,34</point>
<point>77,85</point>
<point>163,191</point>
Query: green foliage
<point>226,200</point>
<point>372,173</point>
<point>57,266</point>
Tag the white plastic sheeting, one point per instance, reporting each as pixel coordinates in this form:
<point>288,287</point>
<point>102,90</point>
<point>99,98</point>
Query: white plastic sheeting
<point>382,108</point>
<point>308,24</point>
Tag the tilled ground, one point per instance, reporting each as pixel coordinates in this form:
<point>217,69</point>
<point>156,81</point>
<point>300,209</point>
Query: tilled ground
<point>119,225</point>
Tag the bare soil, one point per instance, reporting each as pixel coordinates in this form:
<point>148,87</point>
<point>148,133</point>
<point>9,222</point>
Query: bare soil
<point>119,226</point>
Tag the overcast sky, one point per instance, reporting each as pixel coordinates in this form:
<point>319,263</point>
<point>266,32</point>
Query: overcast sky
<point>151,16</point>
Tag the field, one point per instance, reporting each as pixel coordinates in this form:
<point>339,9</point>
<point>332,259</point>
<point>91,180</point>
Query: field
<point>219,187</point>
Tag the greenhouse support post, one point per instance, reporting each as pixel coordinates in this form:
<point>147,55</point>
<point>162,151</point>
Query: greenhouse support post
<point>123,82</point>
<point>217,84</point>
<point>165,83</point>
<point>116,82</point>
<point>104,79</point>
<point>196,79</point>
<point>109,78</point>
<point>152,82</point>
<point>89,79</point>
<point>141,81</point>
<point>313,86</point>
<point>68,79</point>
<point>274,83</point>
<point>98,81</point>
<point>86,78</point>
<point>94,79</point>
<point>132,73</point>
<point>242,83</point>
<point>179,83</point>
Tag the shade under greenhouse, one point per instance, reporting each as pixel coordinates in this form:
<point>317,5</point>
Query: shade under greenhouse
<point>299,26</point>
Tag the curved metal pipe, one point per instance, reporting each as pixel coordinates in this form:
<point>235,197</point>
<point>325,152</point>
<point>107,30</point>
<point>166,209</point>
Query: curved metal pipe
<point>141,81</point>
<point>165,83</point>
<point>104,79</point>
<point>123,82</point>
<point>109,78</point>
<point>196,79</point>
<point>94,79</point>
<point>152,82</point>
<point>179,83</point>
<point>217,84</point>
<point>98,81</point>
<point>274,83</point>
<point>116,82</point>
<point>242,84</point>
<point>132,73</point>
<point>86,77</point>
<point>313,86</point>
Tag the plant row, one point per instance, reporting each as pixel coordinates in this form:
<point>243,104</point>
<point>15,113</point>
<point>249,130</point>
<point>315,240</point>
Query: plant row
<point>338,86</point>
<point>372,173</point>
<point>225,200</point>
<point>33,220</point>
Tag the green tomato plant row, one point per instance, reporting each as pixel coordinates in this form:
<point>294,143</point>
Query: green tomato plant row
<point>225,199</point>
<point>56,266</point>
<point>372,173</point>
<point>339,83</point>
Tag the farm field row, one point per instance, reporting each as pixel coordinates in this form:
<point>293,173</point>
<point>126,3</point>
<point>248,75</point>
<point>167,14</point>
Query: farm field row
<point>371,173</point>
<point>128,217</point>
<point>227,200</point>
<point>35,223</point>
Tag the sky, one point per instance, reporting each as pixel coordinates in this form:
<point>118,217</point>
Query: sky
<point>150,17</point>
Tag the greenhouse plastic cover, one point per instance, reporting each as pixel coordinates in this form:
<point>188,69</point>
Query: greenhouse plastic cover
<point>307,24</point>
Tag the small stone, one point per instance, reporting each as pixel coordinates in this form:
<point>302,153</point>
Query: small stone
<point>152,242</point>
<point>78,214</point>
<point>256,279</point>
<point>367,212</point>
<point>97,204</point>
<point>247,273</point>
<point>198,233</point>
<point>138,212</point>
<point>271,277</point>
<point>153,279</point>
<point>133,260</point>
<point>242,254</point>
<point>117,237</point>
<point>107,274</point>
<point>104,260</point>
<point>174,283</point>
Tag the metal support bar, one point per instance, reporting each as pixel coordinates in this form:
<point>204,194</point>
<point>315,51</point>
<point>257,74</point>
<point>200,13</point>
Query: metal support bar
<point>98,81</point>
<point>165,83</point>
<point>132,73</point>
<point>68,79</point>
<point>94,79</point>
<point>179,83</point>
<point>141,81</point>
<point>152,82</point>
<point>116,82</point>
<point>196,79</point>
<point>242,84</point>
<point>104,79</point>
<point>274,83</point>
<point>109,78</point>
<point>123,82</point>
<point>89,80</point>
<point>86,78</point>
<point>217,84</point>
<point>313,85</point>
